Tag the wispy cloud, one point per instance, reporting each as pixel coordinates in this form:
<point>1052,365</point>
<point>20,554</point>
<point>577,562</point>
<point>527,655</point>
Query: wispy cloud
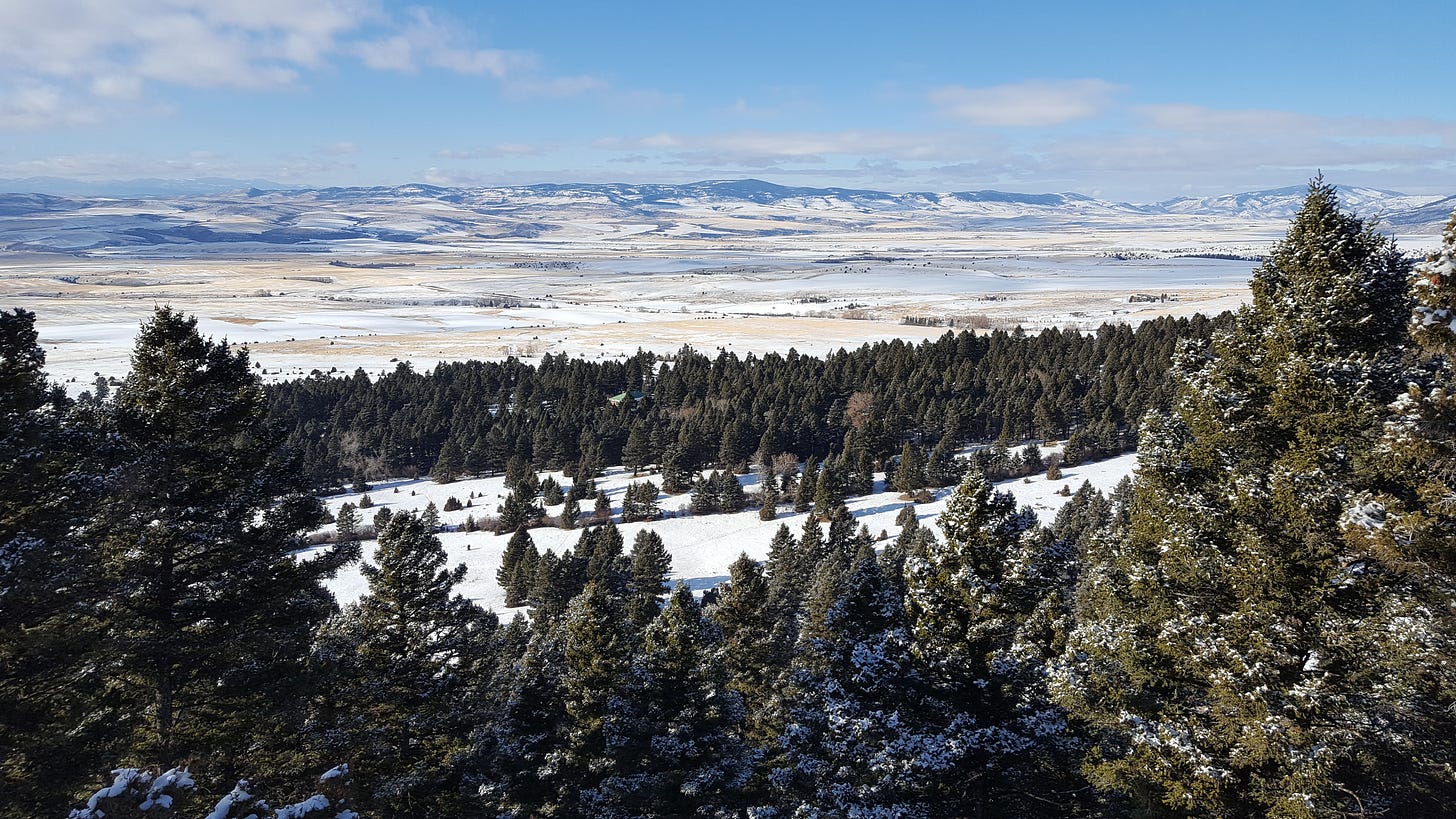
<point>424,41</point>
<point>1033,103</point>
<point>498,151</point>
<point>73,62</point>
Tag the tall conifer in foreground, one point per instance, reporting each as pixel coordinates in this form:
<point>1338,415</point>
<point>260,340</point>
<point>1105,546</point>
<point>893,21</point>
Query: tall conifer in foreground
<point>1241,653</point>
<point>209,612</point>
<point>401,661</point>
<point>46,620</point>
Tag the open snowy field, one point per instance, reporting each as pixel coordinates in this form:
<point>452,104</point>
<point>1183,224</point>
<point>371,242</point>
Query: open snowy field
<point>702,547</point>
<point>297,316</point>
<point>344,278</point>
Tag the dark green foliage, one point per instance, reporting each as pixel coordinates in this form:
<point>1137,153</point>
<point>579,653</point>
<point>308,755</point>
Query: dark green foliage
<point>517,565</point>
<point>194,529</point>
<point>639,502</point>
<point>850,746</point>
<point>551,493</point>
<point>753,654</point>
<point>910,472</point>
<point>47,477</point>
<point>570,513</point>
<point>728,492</point>
<point>985,608</point>
<point>517,511</point>
<point>400,662</point>
<point>651,565</point>
<point>768,500</point>
<point>1301,682</point>
<point>679,752</point>
<point>452,504</point>
<point>957,387</point>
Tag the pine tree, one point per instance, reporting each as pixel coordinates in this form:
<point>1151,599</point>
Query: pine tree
<point>570,513</point>
<point>209,613</point>
<point>679,754</point>
<point>677,473</point>
<point>638,452</point>
<point>768,508</point>
<point>450,463</point>
<point>910,472</point>
<point>851,746</point>
<point>595,663</point>
<point>1249,651</point>
<point>651,565</point>
<point>507,576</point>
<point>729,492</point>
<point>982,607</point>
<point>808,482</point>
<point>47,613</point>
<point>400,662</point>
<point>753,656</point>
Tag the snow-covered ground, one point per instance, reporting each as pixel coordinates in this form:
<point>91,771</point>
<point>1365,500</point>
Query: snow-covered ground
<point>702,547</point>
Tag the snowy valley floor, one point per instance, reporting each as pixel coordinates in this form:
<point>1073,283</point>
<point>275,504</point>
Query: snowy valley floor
<point>702,547</point>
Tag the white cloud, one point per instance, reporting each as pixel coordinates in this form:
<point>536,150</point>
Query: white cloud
<point>34,105</point>
<point>69,62</point>
<point>1032,103</point>
<point>341,148</point>
<point>425,41</point>
<point>498,151</point>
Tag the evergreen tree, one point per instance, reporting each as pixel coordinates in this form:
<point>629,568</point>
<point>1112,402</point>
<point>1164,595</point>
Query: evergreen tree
<point>752,655</point>
<point>768,508</point>
<point>808,482</point>
<point>638,452</point>
<point>677,472</point>
<point>910,471</point>
<point>570,513</point>
<point>850,744</point>
<point>400,662</point>
<point>595,663</point>
<point>729,492</point>
<point>680,754</point>
<point>209,615</point>
<point>984,607</point>
<point>651,565</point>
<point>509,574</point>
<point>47,475</point>
<point>1249,650</point>
<point>450,463</point>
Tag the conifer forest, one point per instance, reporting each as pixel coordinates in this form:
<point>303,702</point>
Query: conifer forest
<point>1261,621</point>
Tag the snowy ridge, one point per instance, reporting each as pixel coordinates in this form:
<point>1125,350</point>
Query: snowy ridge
<point>421,217</point>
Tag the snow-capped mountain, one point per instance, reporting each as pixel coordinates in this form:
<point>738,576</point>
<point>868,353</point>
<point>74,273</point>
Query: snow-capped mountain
<point>420,216</point>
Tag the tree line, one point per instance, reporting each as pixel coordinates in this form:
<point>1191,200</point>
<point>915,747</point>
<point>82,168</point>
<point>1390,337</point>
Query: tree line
<point>473,417</point>
<point>1260,623</point>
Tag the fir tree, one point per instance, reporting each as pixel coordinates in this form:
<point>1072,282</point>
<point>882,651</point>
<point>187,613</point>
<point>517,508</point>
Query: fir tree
<point>400,661</point>
<point>752,655</point>
<point>910,471</point>
<point>209,613</point>
<point>595,663</point>
<point>679,754</point>
<point>47,613</point>
<point>509,573</point>
<point>850,744</point>
<point>979,606</point>
<point>1248,650</point>
<point>651,565</point>
<point>570,513</point>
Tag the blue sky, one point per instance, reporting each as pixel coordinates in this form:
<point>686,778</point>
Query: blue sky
<point>1130,101</point>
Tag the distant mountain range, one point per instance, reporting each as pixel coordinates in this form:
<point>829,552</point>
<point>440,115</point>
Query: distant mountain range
<point>262,217</point>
